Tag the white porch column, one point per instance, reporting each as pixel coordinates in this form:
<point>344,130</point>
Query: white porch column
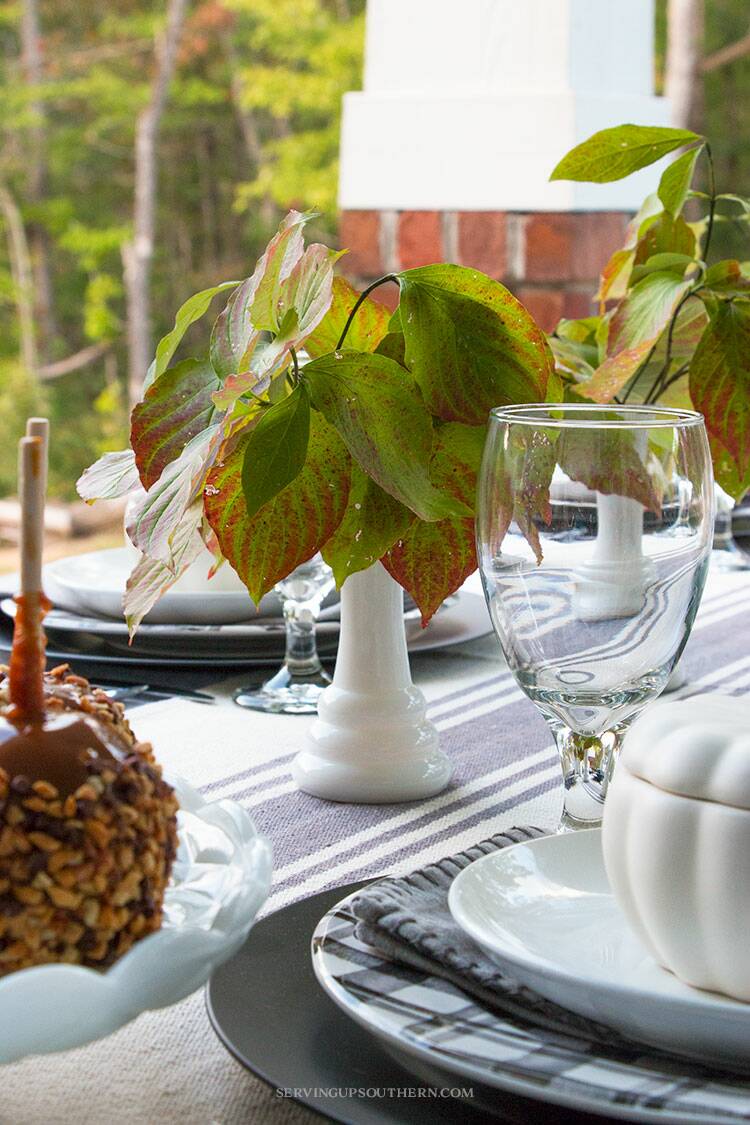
<point>469,104</point>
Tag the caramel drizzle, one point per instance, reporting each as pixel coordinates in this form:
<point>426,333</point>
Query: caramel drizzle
<point>27,660</point>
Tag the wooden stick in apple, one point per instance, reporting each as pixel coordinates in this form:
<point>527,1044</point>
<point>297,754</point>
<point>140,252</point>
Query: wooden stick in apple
<point>27,659</point>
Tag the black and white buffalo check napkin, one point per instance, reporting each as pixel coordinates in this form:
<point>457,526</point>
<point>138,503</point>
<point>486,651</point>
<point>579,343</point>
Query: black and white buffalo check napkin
<point>407,920</point>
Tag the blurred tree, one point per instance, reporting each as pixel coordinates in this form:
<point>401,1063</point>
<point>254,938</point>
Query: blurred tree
<point>75,79</point>
<point>138,252</point>
<point>682,85</point>
<point>713,38</point>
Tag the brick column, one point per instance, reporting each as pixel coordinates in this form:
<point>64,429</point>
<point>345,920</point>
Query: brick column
<point>550,260</point>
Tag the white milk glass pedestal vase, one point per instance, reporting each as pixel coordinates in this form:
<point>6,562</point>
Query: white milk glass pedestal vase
<point>372,741</point>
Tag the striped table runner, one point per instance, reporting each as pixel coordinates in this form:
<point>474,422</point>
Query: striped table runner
<point>167,1066</point>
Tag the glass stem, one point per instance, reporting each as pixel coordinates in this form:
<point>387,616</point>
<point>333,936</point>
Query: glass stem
<point>301,656</point>
<point>588,762</point>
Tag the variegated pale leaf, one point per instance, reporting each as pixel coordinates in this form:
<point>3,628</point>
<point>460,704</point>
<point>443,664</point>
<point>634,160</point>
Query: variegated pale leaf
<point>155,515</point>
<point>112,476</point>
<point>151,578</point>
<point>279,259</point>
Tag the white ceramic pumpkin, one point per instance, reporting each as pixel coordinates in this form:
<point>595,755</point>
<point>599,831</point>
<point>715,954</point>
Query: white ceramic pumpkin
<point>676,839</point>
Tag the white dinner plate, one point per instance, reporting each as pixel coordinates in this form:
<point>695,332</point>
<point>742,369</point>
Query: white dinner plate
<point>545,913</point>
<point>525,1044</point>
<point>462,619</point>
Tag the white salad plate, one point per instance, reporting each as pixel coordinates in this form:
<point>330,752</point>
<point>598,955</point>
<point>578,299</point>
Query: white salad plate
<point>544,912</point>
<point>94,583</point>
<point>524,1044</point>
<point>221,878</point>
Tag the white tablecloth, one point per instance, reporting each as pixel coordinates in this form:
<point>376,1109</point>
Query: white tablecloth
<point>168,1066</point>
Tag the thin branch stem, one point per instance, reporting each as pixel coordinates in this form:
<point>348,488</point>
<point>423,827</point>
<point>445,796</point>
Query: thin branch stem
<point>362,297</point>
<point>658,384</point>
<point>636,377</point>
<point>295,366</point>
<point>712,200</point>
<point>675,377</point>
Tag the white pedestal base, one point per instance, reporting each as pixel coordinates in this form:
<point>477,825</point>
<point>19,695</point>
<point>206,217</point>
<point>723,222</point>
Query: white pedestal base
<point>372,741</point>
<point>613,582</point>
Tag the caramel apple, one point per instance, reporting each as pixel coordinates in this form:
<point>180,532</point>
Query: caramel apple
<point>88,828</point>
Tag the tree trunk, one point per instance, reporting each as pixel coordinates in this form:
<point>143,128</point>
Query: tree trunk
<point>23,285</point>
<point>31,61</point>
<point>138,254</point>
<point>684,82</point>
<point>246,122</point>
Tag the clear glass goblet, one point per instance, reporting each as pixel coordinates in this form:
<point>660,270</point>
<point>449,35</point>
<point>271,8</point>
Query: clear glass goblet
<point>594,531</point>
<point>297,685</point>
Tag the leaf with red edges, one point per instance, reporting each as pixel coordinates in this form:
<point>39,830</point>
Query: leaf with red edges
<point>291,527</point>
<point>607,461</point>
<point>175,408</point>
<point>379,412</point>
<point>646,311</point>
<point>368,328</point>
<point>520,485</point>
<point>612,375</point>
<point>720,380</point>
<point>373,521</point>
<point>432,560</point>
<point>470,345</point>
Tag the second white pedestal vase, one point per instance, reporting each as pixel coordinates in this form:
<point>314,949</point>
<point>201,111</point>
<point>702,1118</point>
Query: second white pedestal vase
<point>372,741</point>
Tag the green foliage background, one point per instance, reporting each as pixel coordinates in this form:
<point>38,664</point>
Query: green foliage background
<point>251,129</point>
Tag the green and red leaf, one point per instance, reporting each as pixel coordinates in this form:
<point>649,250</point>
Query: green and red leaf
<point>607,461</point>
<point>369,326</point>
<point>523,475</point>
<point>291,527</point>
<point>615,373</point>
<point>373,522</point>
<point>720,381</point>
<point>174,410</point>
<point>646,311</point>
<point>432,560</point>
<point>378,411</point>
<point>728,279</point>
<point>470,345</point>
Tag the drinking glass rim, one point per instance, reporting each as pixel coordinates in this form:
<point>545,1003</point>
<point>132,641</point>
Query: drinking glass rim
<point>638,416</point>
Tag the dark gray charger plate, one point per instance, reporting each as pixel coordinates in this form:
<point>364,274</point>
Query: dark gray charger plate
<point>268,1010</point>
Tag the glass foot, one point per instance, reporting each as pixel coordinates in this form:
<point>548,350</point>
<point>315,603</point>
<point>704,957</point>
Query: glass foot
<point>285,693</point>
